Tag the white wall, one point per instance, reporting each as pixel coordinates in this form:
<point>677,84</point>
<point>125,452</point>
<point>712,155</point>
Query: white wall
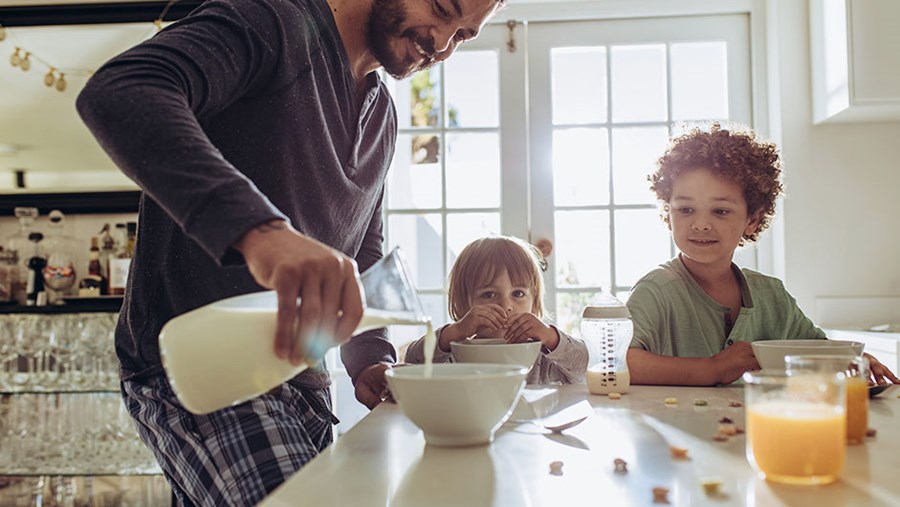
<point>842,183</point>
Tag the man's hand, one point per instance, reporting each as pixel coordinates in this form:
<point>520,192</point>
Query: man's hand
<point>325,280</point>
<point>732,362</point>
<point>371,385</point>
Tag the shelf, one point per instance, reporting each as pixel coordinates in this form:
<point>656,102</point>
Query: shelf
<point>103,304</point>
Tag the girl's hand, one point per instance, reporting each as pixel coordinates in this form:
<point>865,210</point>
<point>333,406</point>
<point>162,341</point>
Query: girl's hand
<point>523,327</point>
<point>879,373</point>
<point>480,319</point>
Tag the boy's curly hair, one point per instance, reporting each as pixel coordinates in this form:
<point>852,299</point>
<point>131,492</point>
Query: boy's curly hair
<point>736,155</point>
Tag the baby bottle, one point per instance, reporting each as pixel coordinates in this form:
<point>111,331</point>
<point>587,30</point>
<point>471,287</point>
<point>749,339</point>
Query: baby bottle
<point>607,329</point>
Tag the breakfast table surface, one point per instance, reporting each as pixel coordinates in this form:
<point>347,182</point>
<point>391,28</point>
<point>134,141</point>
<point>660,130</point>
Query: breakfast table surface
<point>384,461</point>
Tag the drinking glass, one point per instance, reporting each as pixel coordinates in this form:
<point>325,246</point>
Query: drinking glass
<point>856,371</point>
<point>796,426</point>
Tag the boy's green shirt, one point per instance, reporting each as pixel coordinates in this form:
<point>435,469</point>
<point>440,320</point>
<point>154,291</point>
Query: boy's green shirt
<point>673,316</point>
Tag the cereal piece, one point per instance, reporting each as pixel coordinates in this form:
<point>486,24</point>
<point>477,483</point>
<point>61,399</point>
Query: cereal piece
<point>615,396</point>
<point>678,452</point>
<point>871,432</point>
<point>660,495</point>
<point>556,468</point>
<point>728,429</point>
<point>671,401</point>
<point>735,403</point>
<point>700,402</point>
<point>725,420</point>
<point>720,437</point>
<point>621,466</point>
<point>712,486</point>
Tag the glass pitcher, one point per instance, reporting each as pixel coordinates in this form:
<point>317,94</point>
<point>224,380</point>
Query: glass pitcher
<point>223,353</point>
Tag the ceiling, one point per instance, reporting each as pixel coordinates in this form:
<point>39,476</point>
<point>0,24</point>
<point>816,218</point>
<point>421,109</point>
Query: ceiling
<point>40,131</point>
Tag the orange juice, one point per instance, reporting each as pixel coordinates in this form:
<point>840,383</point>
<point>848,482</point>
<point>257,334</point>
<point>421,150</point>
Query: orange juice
<point>857,409</point>
<point>796,442</point>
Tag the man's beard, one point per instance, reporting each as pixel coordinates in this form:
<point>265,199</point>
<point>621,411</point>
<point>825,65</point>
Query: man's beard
<point>384,26</point>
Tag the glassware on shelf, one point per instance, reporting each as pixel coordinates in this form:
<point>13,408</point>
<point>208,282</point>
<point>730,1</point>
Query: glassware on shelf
<point>21,245</point>
<point>60,248</point>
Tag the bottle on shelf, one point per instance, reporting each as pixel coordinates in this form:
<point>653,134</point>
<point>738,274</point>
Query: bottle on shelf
<point>107,250</point>
<point>35,293</point>
<point>19,245</point>
<point>94,284</point>
<point>120,261</point>
<point>59,272</point>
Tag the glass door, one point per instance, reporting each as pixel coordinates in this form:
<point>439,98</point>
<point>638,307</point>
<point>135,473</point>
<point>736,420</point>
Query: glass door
<point>604,96</point>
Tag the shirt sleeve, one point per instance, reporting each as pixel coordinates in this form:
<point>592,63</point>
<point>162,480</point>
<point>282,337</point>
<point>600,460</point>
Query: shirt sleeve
<point>799,326</point>
<point>144,108</point>
<point>415,353</point>
<point>646,310</point>
<point>371,347</point>
<point>567,363</point>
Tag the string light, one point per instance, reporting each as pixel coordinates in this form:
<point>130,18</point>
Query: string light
<point>55,77</point>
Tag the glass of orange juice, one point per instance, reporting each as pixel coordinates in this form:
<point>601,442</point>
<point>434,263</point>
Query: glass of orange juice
<point>856,369</point>
<point>796,426</point>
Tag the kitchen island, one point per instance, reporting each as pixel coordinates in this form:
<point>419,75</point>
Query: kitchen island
<point>383,460</point>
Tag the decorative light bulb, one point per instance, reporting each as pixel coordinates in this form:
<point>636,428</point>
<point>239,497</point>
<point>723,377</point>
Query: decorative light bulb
<point>25,64</point>
<point>50,78</point>
<point>15,58</point>
<point>61,82</point>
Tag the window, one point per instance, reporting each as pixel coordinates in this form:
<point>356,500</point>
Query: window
<point>602,98</point>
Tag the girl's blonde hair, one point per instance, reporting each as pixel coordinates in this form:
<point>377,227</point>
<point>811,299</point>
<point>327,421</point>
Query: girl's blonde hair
<point>483,259</point>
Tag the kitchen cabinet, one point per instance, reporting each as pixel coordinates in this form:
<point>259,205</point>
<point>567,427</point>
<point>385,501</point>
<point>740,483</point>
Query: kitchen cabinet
<point>854,48</point>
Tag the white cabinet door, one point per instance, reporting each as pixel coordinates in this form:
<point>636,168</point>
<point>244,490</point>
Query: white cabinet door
<point>855,64</point>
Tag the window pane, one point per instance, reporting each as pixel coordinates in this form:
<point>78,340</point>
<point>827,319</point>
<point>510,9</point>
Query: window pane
<point>582,248</point>
<point>420,238</point>
<point>414,181</point>
<point>473,170</point>
<point>472,102</point>
<point>417,99</point>
<point>578,85</point>
<point>580,167</point>
<point>639,83</point>
<point>634,154</point>
<point>463,228</point>
<point>642,243</point>
<point>569,306</point>
<point>699,81</point>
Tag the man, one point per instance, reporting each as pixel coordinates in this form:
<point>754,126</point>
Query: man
<point>260,135</point>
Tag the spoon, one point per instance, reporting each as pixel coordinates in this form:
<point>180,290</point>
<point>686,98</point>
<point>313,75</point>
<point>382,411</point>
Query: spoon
<point>559,428</point>
<point>877,389</point>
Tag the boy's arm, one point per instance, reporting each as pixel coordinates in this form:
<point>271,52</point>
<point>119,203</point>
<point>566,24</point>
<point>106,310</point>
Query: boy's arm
<point>723,368</point>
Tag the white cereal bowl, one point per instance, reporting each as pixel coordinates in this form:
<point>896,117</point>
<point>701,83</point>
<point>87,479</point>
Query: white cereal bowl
<point>460,403</point>
<point>771,353</point>
<point>495,351</point>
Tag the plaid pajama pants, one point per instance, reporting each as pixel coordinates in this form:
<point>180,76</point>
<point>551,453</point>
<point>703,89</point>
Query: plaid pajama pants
<point>234,456</point>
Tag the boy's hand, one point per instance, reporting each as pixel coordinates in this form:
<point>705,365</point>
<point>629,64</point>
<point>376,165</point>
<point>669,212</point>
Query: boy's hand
<point>732,362</point>
<point>478,320</point>
<point>879,373</point>
<point>523,327</point>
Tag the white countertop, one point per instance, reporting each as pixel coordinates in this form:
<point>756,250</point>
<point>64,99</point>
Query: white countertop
<point>383,460</point>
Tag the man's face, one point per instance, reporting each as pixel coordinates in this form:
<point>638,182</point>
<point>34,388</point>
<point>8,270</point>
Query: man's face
<point>407,36</point>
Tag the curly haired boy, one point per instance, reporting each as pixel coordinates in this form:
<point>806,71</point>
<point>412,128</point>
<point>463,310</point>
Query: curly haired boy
<point>695,316</point>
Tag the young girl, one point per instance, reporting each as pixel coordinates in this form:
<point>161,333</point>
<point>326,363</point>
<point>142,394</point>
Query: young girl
<point>496,291</point>
<point>695,316</point>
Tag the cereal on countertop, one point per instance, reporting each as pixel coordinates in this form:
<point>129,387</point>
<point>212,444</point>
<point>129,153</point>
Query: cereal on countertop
<point>660,495</point>
<point>671,401</point>
<point>614,396</point>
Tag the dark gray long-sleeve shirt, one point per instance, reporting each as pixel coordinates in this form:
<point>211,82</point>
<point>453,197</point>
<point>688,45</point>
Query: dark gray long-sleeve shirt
<point>243,112</point>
